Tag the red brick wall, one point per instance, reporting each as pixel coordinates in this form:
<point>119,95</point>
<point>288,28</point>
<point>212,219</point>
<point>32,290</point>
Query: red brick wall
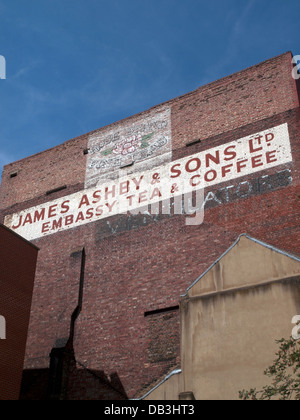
<point>146,264</point>
<point>62,165</point>
<point>138,264</point>
<point>17,268</point>
<point>251,95</point>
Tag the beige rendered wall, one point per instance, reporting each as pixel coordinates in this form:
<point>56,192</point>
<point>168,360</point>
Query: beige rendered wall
<point>230,320</point>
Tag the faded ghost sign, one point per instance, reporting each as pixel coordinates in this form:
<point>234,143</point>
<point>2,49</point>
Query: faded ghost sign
<point>245,156</point>
<point>147,143</point>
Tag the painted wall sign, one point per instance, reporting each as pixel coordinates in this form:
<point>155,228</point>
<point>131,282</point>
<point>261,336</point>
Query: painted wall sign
<point>127,193</point>
<point>147,143</point>
<point>236,191</point>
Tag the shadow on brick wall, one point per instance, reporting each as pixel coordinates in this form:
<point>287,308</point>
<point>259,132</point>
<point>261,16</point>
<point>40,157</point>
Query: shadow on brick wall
<point>67,379</point>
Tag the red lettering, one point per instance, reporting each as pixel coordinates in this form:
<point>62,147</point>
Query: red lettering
<point>20,222</point>
<point>271,156</point>
<point>45,227</point>
<point>215,159</point>
<point>52,210</point>
<point>198,164</point>
<point>110,206</point>
<point>251,147</point>
<point>84,201</point>
<point>226,169</point>
<point>28,219</point>
<point>269,138</point>
<point>240,165</point>
<point>137,184</point>
<point>142,197</point>
<point>155,193</point>
<point>231,154</point>
<point>214,175</point>
<point>99,211</point>
<point>112,192</point>
<point>124,187</point>
<point>97,196</point>
<point>89,213</point>
<point>192,181</point>
<point>57,225</point>
<point>130,197</point>
<point>79,217</point>
<point>177,172</point>
<point>65,207</point>
<point>256,161</point>
<point>39,215</point>
<point>69,220</point>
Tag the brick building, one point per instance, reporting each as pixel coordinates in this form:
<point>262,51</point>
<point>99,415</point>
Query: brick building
<point>109,279</point>
<point>17,269</point>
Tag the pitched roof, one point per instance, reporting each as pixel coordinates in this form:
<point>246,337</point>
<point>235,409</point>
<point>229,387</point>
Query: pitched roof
<point>254,240</point>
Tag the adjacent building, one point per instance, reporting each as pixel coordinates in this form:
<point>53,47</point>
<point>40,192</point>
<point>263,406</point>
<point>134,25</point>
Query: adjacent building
<point>131,298</point>
<point>17,270</point>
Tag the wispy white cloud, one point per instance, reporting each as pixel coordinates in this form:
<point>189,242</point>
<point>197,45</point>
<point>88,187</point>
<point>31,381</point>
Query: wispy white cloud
<point>25,70</point>
<point>235,41</point>
<point>236,35</point>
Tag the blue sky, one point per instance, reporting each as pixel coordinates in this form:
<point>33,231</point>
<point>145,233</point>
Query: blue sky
<point>73,66</point>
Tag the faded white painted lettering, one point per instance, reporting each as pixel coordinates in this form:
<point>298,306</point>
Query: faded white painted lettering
<point>146,142</point>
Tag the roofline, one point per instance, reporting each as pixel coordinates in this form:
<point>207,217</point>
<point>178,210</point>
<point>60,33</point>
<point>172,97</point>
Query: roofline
<point>271,247</point>
<point>19,236</point>
<point>164,103</point>
<point>174,372</point>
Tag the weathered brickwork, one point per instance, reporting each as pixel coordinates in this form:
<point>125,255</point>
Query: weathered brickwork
<point>137,266</point>
<point>220,107</point>
<point>17,270</point>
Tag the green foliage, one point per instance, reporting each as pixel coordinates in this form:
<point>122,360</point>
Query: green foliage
<point>285,372</point>
<point>147,136</point>
<point>107,152</point>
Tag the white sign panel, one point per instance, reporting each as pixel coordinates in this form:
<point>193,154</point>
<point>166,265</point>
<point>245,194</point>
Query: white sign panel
<point>146,142</point>
<point>223,163</point>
